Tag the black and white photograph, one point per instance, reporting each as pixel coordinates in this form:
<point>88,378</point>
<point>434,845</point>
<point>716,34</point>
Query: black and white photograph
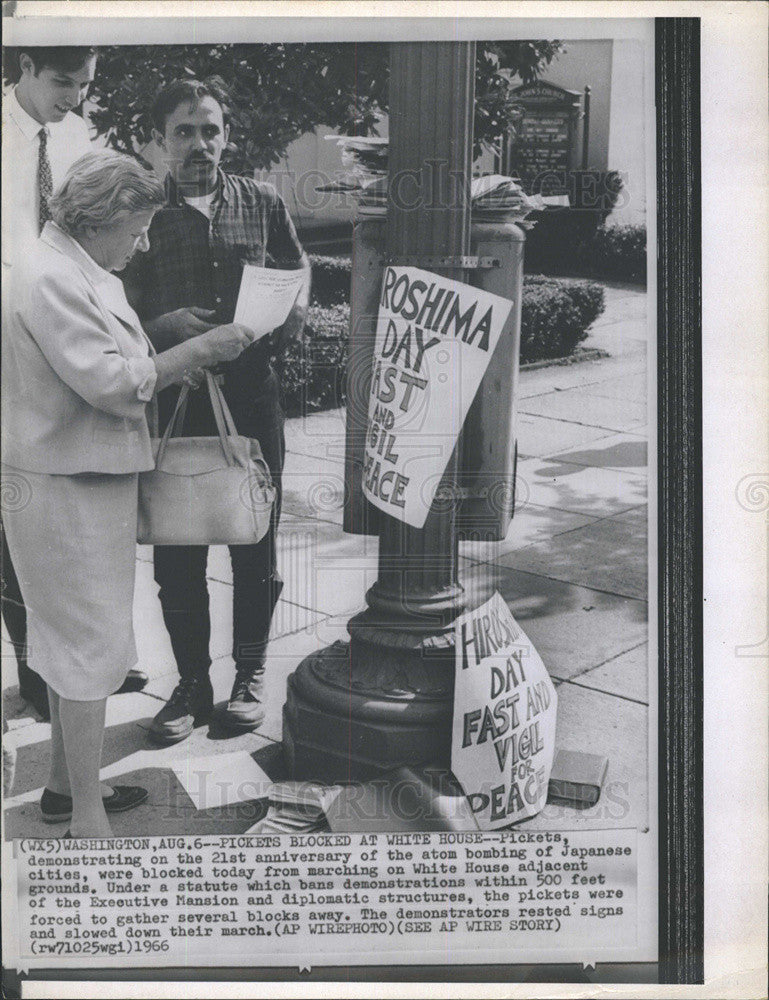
<point>332,434</point>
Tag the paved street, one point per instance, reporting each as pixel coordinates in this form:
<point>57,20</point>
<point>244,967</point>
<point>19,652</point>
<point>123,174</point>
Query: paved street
<point>572,568</point>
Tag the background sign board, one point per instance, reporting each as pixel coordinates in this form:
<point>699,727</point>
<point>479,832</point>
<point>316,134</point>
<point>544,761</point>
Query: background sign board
<point>545,139</point>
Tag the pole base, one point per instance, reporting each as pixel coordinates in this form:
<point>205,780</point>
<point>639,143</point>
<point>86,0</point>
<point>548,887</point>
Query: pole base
<point>355,711</point>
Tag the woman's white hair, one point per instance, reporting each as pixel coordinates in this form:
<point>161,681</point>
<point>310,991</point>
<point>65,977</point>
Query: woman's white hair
<point>101,188</point>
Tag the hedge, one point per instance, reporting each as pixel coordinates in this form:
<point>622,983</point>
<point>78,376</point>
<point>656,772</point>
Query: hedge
<point>551,322</point>
<point>587,297</point>
<point>618,252</point>
<point>555,316</point>
<point>552,243</point>
<point>576,240</point>
<point>312,371</point>
<point>564,243</point>
<point>330,279</point>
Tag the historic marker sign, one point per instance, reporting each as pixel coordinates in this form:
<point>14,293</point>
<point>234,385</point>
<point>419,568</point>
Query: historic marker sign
<point>503,736</point>
<point>434,339</point>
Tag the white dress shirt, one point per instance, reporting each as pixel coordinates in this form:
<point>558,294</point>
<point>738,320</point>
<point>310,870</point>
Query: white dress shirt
<point>68,140</point>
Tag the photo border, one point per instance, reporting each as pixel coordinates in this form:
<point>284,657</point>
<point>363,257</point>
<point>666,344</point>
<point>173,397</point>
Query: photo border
<point>679,371</point>
<point>679,458</point>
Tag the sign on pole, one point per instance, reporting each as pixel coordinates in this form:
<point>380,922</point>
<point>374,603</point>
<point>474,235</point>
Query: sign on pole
<point>434,340</point>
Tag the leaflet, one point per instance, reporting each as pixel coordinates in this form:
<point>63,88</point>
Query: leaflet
<point>266,297</point>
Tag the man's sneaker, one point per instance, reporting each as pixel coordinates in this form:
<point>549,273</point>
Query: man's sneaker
<point>245,709</point>
<point>190,705</point>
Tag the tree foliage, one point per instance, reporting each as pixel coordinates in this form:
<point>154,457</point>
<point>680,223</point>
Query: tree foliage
<point>281,91</point>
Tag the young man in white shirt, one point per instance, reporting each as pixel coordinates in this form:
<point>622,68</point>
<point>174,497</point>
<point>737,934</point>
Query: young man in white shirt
<point>39,126</point>
<point>42,138</point>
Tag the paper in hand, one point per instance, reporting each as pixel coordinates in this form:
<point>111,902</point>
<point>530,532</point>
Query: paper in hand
<point>266,297</point>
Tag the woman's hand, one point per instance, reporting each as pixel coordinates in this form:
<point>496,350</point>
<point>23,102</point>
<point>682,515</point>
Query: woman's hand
<point>180,325</point>
<point>195,378</point>
<point>224,343</point>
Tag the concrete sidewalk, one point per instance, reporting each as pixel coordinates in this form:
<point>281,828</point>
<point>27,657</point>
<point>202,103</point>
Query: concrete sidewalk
<point>572,568</point>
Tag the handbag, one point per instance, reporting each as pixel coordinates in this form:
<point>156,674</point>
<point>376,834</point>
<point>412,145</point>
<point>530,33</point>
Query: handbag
<point>205,490</point>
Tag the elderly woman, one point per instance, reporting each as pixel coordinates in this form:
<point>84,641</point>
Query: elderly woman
<point>78,374</point>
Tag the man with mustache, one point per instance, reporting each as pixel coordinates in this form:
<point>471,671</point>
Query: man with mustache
<point>42,138</point>
<point>213,224</point>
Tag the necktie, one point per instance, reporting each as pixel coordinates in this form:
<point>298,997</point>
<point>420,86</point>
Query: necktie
<point>44,178</point>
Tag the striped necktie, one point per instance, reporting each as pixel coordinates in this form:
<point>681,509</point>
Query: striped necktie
<point>44,178</point>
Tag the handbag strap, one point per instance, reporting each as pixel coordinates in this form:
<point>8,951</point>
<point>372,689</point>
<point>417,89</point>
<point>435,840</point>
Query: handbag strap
<point>218,400</point>
<point>218,405</point>
<point>180,409</point>
<point>228,419</point>
<point>222,417</point>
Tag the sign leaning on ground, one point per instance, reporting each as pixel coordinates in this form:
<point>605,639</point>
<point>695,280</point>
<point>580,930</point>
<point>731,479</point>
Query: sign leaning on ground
<point>434,340</point>
<point>503,734</point>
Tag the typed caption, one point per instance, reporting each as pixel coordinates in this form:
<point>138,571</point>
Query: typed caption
<point>323,899</point>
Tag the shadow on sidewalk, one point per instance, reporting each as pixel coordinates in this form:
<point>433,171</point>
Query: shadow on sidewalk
<point>169,811</point>
<point>627,455</point>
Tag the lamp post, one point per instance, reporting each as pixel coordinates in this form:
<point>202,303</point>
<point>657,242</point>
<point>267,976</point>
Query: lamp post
<point>357,710</point>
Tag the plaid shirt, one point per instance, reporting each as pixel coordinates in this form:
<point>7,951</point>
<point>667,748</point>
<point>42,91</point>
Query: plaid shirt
<point>195,261</point>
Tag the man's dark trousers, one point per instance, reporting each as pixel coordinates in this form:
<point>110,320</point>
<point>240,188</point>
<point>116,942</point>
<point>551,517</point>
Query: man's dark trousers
<point>15,618</point>
<point>180,571</point>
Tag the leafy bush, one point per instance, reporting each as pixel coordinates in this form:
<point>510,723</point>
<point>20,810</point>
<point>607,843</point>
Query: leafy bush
<point>618,252</point>
<point>553,244</point>
<point>551,325</point>
<point>312,372</point>
<point>564,243</point>
<point>587,297</point>
<point>331,278</point>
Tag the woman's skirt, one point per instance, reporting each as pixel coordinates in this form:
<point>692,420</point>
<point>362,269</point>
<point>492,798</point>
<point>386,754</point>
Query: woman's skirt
<point>72,540</point>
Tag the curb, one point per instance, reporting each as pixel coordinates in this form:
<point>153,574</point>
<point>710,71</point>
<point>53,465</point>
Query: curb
<point>583,354</point>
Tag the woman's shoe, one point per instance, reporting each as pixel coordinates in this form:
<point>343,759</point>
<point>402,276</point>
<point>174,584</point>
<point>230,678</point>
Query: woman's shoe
<point>57,808</point>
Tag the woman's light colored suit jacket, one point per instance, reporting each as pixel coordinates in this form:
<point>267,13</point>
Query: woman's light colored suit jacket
<point>77,366</point>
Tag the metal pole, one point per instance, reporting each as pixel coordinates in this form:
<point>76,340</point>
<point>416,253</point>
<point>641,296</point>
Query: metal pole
<point>386,699</point>
<point>430,121</point>
<point>586,128</point>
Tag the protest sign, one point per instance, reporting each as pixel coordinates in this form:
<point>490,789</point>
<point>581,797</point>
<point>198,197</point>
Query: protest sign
<point>434,340</point>
<point>503,736</point>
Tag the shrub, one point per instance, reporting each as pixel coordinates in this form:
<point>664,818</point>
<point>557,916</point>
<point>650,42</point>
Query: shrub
<point>619,252</point>
<point>555,315</point>
<point>312,371</point>
<point>554,243</point>
<point>327,322</point>
<point>611,252</point>
<point>330,279</point>
<point>551,326</point>
<point>588,298</point>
